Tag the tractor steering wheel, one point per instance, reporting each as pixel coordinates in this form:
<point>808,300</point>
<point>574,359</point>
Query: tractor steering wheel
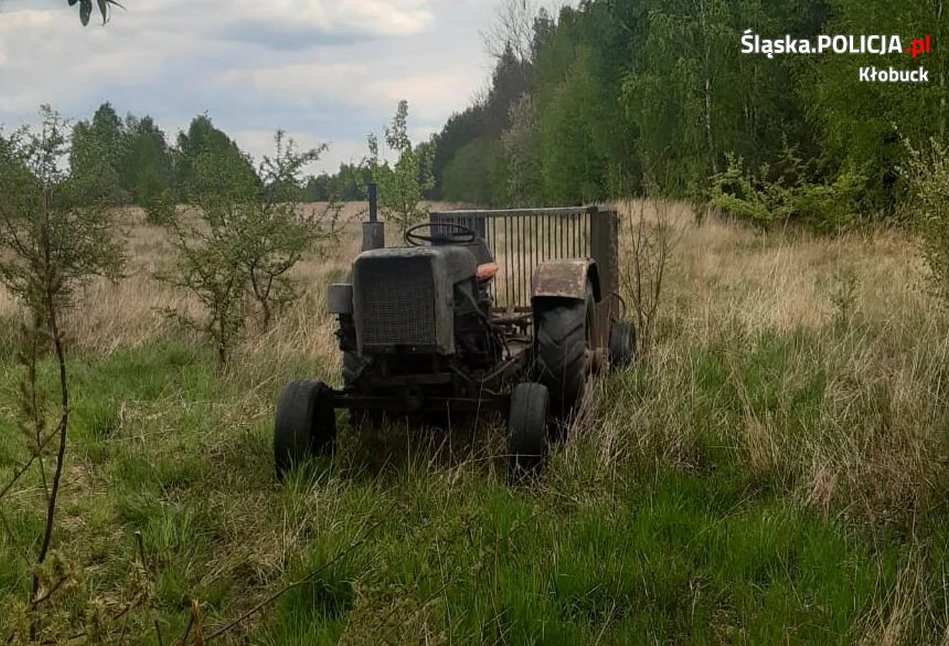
<point>456,234</point>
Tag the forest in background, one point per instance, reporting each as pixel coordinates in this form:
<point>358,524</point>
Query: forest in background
<point>132,162</point>
<point>625,97</point>
<point>622,98</point>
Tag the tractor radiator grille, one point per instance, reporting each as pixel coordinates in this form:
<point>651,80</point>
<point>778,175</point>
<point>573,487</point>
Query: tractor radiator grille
<point>399,304</point>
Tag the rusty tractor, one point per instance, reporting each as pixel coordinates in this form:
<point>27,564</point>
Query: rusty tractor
<point>506,310</point>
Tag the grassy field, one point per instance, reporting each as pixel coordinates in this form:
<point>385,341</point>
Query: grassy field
<point>775,473</point>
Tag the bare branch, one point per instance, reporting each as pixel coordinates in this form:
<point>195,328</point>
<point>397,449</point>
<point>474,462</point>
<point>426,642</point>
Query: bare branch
<point>513,29</point>
<point>26,467</point>
<point>651,246</point>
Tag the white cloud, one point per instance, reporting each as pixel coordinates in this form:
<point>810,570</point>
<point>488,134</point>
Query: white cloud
<point>65,65</point>
<point>324,70</point>
<point>363,16</point>
<point>362,85</point>
<point>390,17</point>
<point>431,95</point>
<point>302,80</point>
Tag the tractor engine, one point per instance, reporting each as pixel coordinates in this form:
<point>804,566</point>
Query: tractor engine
<point>478,344</point>
<point>415,303</point>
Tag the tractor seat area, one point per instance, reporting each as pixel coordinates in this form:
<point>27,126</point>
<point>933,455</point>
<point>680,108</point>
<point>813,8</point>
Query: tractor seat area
<point>487,271</point>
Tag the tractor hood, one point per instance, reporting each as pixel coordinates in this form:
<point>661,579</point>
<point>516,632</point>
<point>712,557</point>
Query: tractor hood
<point>403,298</point>
<point>456,263</point>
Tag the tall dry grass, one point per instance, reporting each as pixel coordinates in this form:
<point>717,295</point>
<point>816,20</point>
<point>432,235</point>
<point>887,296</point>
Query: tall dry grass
<point>827,360</point>
<point>813,367</point>
<point>130,313</point>
<point>851,312</point>
<point>856,303</point>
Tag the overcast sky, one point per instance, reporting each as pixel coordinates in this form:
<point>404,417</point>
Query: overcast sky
<point>323,70</point>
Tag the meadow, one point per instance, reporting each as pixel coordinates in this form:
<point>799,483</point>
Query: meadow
<point>775,470</point>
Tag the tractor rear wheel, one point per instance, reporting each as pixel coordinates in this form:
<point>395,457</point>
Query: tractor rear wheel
<point>527,431</point>
<point>305,425</point>
<point>563,347</point>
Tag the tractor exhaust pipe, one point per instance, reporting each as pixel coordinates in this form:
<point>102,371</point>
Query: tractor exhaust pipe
<point>373,202</point>
<point>373,231</point>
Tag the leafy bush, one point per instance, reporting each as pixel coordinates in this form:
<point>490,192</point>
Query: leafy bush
<point>736,193</point>
<point>787,192</point>
<point>830,208</point>
<point>927,176</point>
<point>243,242</point>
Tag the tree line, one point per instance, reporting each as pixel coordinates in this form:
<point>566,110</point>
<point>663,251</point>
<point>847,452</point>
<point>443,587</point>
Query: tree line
<point>618,98</point>
<point>131,161</point>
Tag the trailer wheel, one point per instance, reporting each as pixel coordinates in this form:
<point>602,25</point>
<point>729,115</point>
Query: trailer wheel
<point>305,425</point>
<point>527,431</point>
<point>563,337</point>
<point>622,343</point>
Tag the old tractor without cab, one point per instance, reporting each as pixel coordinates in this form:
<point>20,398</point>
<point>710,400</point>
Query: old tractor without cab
<point>509,311</point>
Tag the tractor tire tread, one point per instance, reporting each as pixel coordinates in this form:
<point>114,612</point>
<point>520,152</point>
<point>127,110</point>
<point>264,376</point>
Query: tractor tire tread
<point>305,425</point>
<point>560,352</point>
<point>527,430</point>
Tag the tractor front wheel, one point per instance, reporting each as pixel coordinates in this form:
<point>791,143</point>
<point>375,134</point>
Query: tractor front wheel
<point>305,425</point>
<point>527,431</point>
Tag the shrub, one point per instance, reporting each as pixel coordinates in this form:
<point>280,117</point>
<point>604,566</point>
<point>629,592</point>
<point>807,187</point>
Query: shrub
<point>54,235</point>
<point>786,193</point>
<point>242,243</point>
<point>927,176</point>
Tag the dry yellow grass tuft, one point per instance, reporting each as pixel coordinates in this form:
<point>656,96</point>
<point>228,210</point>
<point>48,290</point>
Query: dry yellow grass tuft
<point>722,274</point>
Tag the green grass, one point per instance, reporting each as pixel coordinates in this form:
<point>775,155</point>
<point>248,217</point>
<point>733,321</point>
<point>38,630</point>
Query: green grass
<point>668,537</point>
<point>688,559</point>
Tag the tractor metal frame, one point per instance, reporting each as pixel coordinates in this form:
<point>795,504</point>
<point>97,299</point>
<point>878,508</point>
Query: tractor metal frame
<point>520,240</point>
<point>588,232</point>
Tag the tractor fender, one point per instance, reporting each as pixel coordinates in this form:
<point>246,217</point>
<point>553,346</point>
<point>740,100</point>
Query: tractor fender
<point>565,279</point>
